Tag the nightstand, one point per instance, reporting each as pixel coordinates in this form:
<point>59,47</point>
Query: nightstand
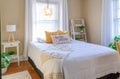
<point>12,44</point>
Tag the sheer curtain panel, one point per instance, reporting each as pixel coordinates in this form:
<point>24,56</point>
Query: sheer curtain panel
<point>64,15</point>
<point>107,22</point>
<point>110,21</point>
<point>29,11</point>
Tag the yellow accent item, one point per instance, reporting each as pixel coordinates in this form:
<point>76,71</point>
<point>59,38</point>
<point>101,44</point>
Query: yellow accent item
<point>118,47</point>
<point>62,33</point>
<point>48,36</point>
<point>58,32</point>
<point>47,11</point>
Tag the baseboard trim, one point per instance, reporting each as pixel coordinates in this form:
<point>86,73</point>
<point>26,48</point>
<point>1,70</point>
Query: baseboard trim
<point>22,58</point>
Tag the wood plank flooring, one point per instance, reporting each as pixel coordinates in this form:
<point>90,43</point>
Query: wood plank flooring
<point>24,65</point>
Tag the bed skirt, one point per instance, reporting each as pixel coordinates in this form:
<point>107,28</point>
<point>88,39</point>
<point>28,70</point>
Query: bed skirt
<point>36,69</point>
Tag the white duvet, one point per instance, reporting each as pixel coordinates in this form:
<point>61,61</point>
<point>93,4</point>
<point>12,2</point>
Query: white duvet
<point>81,60</point>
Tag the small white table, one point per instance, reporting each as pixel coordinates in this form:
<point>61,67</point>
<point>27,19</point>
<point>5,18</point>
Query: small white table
<point>12,44</point>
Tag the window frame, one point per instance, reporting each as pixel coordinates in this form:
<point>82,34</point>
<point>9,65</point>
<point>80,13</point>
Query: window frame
<point>37,21</point>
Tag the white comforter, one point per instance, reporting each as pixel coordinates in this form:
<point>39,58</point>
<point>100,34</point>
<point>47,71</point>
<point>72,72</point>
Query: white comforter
<point>90,61</point>
<point>81,60</point>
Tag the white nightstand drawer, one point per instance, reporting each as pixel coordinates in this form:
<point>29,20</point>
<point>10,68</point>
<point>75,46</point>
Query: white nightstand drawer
<point>10,45</point>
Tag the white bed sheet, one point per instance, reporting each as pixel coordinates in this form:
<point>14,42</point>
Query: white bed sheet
<point>86,61</point>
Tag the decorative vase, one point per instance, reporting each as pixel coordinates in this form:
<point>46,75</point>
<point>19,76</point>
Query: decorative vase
<point>4,70</point>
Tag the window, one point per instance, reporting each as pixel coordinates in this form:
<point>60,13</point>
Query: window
<point>44,23</point>
<point>116,17</point>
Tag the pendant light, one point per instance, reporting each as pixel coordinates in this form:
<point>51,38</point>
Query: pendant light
<point>47,11</point>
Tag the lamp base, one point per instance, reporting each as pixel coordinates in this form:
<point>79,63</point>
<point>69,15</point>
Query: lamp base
<point>11,37</point>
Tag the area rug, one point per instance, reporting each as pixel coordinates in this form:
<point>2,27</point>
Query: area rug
<point>20,75</point>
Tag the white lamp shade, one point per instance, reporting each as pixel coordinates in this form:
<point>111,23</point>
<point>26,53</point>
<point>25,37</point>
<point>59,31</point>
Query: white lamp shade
<point>11,28</point>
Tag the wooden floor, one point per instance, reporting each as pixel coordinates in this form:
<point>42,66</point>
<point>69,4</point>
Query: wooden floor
<point>24,65</point>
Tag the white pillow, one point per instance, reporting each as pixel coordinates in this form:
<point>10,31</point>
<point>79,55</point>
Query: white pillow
<point>40,40</point>
<point>60,39</point>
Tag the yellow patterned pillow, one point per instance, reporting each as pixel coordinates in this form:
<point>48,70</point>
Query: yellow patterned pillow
<point>48,36</point>
<point>62,33</point>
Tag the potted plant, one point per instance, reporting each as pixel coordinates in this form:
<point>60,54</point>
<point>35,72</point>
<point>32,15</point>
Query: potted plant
<point>113,44</point>
<point>82,28</point>
<point>5,60</point>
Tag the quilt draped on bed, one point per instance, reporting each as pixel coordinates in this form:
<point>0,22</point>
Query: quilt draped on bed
<point>52,61</point>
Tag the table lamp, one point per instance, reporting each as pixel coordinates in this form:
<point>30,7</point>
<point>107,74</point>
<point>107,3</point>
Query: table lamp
<point>11,29</point>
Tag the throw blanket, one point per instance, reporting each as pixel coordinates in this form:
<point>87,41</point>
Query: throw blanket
<point>52,60</point>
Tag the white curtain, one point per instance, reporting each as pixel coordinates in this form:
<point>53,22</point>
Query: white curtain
<point>107,22</point>
<point>116,17</point>
<point>29,10</point>
<point>64,15</point>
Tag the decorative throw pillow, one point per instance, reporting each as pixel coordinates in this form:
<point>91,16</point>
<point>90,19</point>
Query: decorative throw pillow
<point>48,36</point>
<point>40,40</point>
<point>60,39</point>
<point>62,33</point>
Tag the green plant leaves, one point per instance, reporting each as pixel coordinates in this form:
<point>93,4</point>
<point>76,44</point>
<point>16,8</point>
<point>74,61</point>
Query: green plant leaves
<point>82,27</point>
<point>5,63</point>
<point>117,38</point>
<point>5,59</point>
<point>11,52</point>
<point>113,44</point>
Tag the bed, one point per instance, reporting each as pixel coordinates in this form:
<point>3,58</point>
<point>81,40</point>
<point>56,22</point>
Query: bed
<point>75,60</point>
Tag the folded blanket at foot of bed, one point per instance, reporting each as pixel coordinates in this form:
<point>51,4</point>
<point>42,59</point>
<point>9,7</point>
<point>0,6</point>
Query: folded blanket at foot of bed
<point>51,66</point>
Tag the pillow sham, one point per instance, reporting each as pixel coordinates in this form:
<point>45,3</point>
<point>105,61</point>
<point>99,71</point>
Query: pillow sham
<point>48,36</point>
<point>60,39</point>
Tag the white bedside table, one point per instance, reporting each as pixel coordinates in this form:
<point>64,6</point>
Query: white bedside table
<point>12,44</point>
